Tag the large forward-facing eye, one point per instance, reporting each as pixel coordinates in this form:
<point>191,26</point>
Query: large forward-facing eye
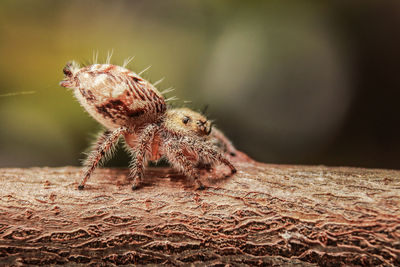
<point>185,119</point>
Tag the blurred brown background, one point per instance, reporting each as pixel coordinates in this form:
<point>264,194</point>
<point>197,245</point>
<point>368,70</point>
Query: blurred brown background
<point>304,82</point>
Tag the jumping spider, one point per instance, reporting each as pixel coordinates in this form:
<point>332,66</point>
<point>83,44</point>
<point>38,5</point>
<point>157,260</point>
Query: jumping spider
<point>129,106</point>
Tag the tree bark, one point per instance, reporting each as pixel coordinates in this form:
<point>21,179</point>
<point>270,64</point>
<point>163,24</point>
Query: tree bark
<point>263,215</point>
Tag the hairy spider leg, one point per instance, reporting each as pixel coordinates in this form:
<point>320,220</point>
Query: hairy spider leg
<point>142,148</point>
<point>208,152</point>
<point>174,152</point>
<point>205,151</point>
<point>104,145</point>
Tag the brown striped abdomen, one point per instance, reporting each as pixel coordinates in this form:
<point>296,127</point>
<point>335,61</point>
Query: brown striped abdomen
<point>116,96</point>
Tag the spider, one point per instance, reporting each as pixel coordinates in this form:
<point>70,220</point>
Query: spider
<point>129,106</point>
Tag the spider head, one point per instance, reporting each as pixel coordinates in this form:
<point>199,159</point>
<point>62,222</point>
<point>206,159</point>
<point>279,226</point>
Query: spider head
<point>187,122</point>
<point>70,70</point>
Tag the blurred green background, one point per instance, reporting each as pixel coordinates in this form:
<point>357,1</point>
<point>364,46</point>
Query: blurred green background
<point>305,82</point>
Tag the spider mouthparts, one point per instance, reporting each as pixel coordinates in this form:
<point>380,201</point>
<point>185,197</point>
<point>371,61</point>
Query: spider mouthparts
<point>66,84</point>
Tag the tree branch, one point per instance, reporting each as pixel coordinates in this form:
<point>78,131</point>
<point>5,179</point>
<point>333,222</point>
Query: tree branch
<point>264,215</point>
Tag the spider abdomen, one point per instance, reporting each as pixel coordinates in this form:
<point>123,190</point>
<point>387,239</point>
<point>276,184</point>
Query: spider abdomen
<point>115,96</point>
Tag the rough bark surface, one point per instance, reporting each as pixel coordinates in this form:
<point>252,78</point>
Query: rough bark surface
<point>264,215</point>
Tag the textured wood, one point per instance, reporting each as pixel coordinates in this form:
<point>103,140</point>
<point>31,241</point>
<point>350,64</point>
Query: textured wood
<point>264,215</point>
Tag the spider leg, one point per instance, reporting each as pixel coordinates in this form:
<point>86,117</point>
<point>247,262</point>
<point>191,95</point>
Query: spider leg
<point>102,148</point>
<point>142,148</point>
<point>225,161</point>
<point>209,153</point>
<point>175,154</point>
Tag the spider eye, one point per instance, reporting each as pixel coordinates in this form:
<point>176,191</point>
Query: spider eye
<point>185,120</point>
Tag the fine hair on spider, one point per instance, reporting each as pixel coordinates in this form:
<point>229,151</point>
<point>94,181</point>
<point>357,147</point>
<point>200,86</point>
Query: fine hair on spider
<point>130,107</point>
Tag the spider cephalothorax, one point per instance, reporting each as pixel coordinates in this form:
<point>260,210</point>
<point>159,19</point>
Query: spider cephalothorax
<point>184,121</point>
<point>130,106</point>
